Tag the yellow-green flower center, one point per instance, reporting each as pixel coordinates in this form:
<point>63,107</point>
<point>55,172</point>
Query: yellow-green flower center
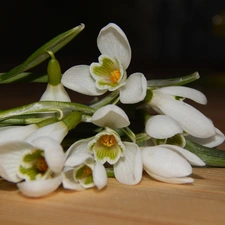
<point>115,76</point>
<point>108,140</point>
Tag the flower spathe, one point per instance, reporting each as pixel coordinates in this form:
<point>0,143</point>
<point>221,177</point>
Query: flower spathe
<point>38,163</point>
<point>169,163</point>
<point>110,73</point>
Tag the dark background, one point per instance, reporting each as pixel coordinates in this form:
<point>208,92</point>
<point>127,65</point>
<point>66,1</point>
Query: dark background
<point>167,37</point>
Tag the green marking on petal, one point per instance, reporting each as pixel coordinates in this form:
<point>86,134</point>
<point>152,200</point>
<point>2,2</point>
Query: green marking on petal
<point>159,141</point>
<point>33,166</point>
<point>84,175</point>
<point>89,180</point>
<point>108,73</point>
<point>179,98</point>
<point>177,139</point>
<point>33,156</point>
<point>28,173</point>
<point>105,68</point>
<point>107,146</point>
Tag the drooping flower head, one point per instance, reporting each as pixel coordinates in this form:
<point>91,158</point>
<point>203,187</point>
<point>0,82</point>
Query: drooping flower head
<point>169,163</point>
<point>37,164</point>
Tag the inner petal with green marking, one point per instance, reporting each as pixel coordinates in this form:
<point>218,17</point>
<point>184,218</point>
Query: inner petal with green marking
<point>83,174</point>
<point>108,73</point>
<point>107,147</point>
<point>33,166</point>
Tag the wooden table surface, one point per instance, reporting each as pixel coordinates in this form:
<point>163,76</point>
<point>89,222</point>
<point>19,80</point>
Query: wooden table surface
<point>150,202</point>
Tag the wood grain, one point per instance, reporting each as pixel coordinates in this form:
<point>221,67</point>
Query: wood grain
<point>150,202</point>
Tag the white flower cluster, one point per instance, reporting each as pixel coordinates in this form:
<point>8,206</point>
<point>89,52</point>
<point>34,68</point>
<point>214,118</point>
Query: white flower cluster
<point>34,158</point>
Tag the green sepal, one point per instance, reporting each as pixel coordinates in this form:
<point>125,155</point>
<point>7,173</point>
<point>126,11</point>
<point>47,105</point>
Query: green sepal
<point>41,54</point>
<point>211,156</point>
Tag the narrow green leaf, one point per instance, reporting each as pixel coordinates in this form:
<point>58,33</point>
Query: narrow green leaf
<point>26,77</point>
<point>174,81</point>
<point>40,55</point>
<point>211,156</point>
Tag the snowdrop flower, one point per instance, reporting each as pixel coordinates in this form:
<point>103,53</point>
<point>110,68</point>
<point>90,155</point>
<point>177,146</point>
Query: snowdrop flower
<point>168,101</point>
<point>210,142</point>
<point>35,167</point>
<point>107,147</point>
<point>81,171</point>
<point>169,163</point>
<point>110,73</point>
<point>13,133</point>
<point>163,130</point>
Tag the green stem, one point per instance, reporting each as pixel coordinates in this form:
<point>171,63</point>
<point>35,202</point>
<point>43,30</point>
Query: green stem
<point>72,119</point>
<point>112,98</point>
<point>211,156</point>
<point>174,81</point>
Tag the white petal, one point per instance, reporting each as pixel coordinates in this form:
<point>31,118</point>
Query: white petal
<point>78,147</point>
<point>13,133</point>
<point>77,159</point>
<point>161,127</point>
<point>134,90</point>
<point>173,180</point>
<point>57,131</point>
<point>210,142</point>
<point>110,116</point>
<point>39,188</point>
<point>128,169</point>
<point>186,92</point>
<point>54,154</point>
<point>69,182</point>
<point>113,42</point>
<point>99,175</point>
<point>10,157</point>
<point>79,79</point>
<point>190,119</point>
<point>55,93</point>
<point>165,162</point>
<point>192,158</point>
